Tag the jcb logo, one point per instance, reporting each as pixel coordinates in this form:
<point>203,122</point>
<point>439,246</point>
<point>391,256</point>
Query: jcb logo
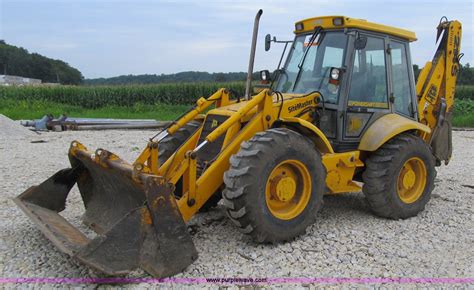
<point>432,93</point>
<point>214,123</point>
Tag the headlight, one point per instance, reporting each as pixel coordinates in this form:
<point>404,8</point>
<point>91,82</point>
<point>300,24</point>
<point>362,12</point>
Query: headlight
<point>334,73</point>
<point>265,76</point>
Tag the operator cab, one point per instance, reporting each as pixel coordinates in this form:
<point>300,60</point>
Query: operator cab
<point>363,71</point>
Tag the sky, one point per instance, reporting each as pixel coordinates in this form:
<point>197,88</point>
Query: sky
<point>106,38</point>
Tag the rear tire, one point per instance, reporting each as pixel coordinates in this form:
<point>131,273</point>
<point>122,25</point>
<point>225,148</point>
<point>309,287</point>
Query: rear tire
<point>275,185</point>
<point>399,177</point>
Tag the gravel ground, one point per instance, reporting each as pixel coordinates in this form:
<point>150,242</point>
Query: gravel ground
<point>346,241</point>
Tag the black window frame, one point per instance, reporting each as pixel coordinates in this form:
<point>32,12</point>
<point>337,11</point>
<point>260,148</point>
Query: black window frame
<point>411,78</point>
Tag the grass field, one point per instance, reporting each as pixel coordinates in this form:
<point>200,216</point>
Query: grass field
<point>464,121</point>
<point>464,113</point>
<point>28,110</point>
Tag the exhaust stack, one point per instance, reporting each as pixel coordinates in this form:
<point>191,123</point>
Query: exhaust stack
<point>252,54</point>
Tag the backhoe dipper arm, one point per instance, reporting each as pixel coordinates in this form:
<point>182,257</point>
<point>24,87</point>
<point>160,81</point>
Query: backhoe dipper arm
<point>436,87</point>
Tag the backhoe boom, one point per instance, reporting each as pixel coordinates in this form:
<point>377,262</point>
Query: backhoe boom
<point>436,87</point>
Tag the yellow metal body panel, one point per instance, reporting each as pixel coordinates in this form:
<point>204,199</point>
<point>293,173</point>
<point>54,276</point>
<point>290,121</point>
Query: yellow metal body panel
<point>340,168</point>
<point>318,137</point>
<point>326,22</point>
<point>387,127</point>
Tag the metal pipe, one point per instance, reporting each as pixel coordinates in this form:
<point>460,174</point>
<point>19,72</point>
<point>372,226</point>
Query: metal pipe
<point>93,120</point>
<point>161,136</point>
<point>147,125</point>
<point>204,143</point>
<point>40,124</point>
<point>252,54</point>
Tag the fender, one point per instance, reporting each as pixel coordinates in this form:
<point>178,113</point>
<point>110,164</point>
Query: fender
<point>387,127</point>
<point>307,129</point>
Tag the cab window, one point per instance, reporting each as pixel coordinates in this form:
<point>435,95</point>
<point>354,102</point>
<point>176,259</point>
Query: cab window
<point>401,78</point>
<point>369,78</point>
<point>328,50</point>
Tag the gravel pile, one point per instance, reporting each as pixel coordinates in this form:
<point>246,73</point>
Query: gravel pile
<point>10,129</point>
<point>346,241</point>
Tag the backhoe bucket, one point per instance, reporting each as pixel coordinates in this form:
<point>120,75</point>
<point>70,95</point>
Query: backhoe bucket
<point>134,214</point>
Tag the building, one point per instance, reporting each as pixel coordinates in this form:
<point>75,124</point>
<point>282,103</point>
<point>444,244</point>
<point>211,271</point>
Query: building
<point>7,80</point>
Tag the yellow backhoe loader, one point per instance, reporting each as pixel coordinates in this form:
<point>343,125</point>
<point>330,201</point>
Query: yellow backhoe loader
<point>342,114</point>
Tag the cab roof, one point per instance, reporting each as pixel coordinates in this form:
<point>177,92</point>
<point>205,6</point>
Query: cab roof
<point>337,22</point>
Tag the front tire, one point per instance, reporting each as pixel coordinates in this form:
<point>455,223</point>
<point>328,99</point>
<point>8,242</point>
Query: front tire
<point>399,177</point>
<point>275,185</point>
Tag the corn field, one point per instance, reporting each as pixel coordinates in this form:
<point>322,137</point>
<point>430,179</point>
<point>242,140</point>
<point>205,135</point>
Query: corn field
<point>92,97</point>
<point>127,96</point>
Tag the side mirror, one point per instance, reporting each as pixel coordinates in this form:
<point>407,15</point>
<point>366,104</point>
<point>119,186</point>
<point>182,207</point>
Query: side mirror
<point>268,41</point>
<point>360,43</point>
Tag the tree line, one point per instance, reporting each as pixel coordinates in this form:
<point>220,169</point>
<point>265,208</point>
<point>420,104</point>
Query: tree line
<point>187,76</point>
<point>465,77</point>
<point>18,61</point>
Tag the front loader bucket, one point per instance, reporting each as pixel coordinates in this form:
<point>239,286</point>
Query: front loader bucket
<point>135,216</point>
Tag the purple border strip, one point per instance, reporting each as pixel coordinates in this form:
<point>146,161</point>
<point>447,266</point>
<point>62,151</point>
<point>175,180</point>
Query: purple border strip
<point>297,280</point>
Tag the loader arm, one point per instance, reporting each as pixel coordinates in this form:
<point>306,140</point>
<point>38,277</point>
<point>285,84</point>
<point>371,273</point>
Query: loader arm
<point>436,87</point>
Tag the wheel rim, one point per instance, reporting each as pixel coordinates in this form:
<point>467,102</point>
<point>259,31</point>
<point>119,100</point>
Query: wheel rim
<point>411,180</point>
<point>288,189</point>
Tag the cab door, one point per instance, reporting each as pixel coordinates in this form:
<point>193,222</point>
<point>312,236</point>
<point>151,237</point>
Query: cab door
<point>402,79</point>
<point>369,90</point>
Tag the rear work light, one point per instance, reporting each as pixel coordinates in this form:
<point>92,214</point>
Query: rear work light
<point>338,21</point>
